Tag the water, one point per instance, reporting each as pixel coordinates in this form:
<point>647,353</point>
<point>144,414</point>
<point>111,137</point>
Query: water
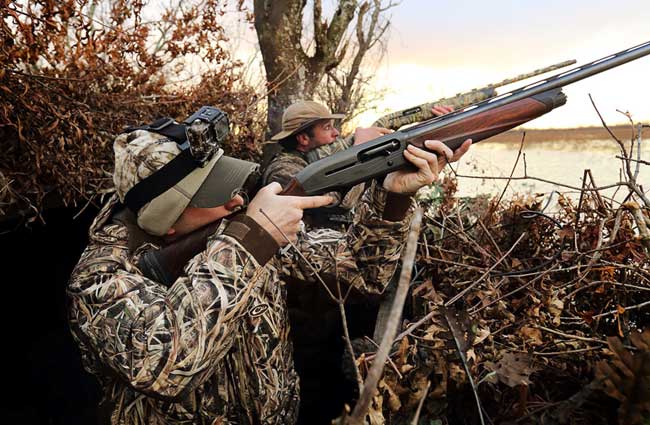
<point>561,161</point>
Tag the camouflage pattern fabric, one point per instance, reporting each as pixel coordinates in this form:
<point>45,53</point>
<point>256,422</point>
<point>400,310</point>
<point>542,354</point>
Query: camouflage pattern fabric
<point>284,166</point>
<point>340,144</point>
<point>214,347</point>
<point>396,120</point>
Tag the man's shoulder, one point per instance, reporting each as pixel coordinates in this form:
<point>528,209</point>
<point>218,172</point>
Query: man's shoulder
<point>284,166</point>
<point>289,155</point>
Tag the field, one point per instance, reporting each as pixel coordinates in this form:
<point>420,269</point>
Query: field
<point>623,132</point>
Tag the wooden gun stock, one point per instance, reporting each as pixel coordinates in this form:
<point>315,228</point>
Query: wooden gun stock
<point>489,123</point>
<point>167,264</point>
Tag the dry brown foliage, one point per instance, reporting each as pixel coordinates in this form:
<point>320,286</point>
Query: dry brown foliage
<point>626,377</point>
<point>545,308</point>
<point>75,73</point>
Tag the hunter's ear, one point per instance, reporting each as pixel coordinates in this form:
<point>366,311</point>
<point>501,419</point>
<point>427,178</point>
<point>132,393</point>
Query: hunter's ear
<point>302,139</point>
<point>171,232</point>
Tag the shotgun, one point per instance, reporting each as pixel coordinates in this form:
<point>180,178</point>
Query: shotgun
<point>380,156</point>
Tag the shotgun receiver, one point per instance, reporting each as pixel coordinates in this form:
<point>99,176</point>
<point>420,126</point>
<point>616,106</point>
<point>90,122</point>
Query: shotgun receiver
<point>380,156</point>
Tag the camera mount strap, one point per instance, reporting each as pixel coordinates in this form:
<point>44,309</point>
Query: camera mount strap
<point>166,127</point>
<point>161,181</point>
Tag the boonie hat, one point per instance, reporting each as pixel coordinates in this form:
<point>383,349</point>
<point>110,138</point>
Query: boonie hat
<point>140,153</point>
<point>301,115</point>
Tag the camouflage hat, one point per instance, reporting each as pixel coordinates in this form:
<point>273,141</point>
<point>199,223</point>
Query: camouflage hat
<point>141,153</point>
<point>301,115</point>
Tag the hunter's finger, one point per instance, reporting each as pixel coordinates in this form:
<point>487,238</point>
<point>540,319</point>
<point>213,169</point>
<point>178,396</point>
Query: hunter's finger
<point>439,148</point>
<point>437,111</point>
<point>420,162</point>
<point>428,156</point>
<point>462,150</point>
<point>442,110</point>
<point>274,187</point>
<point>305,202</point>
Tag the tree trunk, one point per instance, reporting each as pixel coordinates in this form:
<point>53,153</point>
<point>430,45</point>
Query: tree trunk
<point>291,73</point>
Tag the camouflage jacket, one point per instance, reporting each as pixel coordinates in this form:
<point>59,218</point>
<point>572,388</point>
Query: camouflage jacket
<point>213,347</point>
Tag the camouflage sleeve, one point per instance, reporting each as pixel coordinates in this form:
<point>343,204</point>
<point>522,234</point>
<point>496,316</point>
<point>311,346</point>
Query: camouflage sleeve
<point>396,120</point>
<point>283,168</point>
<point>364,257</point>
<point>162,341</point>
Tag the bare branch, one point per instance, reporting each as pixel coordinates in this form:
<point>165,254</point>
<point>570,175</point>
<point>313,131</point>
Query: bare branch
<point>361,408</point>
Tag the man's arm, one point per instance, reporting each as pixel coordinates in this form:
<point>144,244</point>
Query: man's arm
<point>366,255</point>
<point>283,168</point>
<point>165,340</point>
<point>162,341</point>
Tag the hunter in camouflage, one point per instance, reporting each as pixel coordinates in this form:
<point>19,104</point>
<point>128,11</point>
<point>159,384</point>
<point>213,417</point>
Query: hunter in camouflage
<point>213,347</point>
<point>308,134</point>
<point>299,122</point>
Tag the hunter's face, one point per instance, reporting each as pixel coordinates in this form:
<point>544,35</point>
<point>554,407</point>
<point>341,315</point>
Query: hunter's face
<point>324,134</point>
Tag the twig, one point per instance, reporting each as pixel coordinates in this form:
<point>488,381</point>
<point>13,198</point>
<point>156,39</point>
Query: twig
<point>457,334</point>
<point>527,177</point>
<point>632,307</point>
<point>640,161</point>
<point>295,248</point>
<point>339,301</point>
<point>390,361</point>
<point>370,386</point>
<point>414,326</point>
<point>473,311</point>
<point>348,342</point>
<point>579,338</point>
<point>514,167</point>
<point>464,291</point>
<point>416,418</point>
<point>496,246</point>
<point>557,353</point>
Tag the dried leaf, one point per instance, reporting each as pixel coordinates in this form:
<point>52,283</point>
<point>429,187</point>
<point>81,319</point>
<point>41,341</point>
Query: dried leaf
<point>480,335</point>
<point>532,336</point>
<point>626,377</point>
<point>513,369</point>
<point>555,307</point>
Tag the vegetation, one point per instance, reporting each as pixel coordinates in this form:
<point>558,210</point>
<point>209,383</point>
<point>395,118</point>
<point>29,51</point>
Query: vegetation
<point>75,73</point>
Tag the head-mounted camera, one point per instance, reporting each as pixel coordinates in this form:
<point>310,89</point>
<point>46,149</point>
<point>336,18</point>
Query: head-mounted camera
<point>214,178</point>
<point>205,130</point>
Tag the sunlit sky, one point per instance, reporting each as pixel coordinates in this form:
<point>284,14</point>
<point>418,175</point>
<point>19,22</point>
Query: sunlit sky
<point>439,48</point>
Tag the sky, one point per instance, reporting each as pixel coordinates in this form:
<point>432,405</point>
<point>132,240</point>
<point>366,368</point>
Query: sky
<point>440,48</point>
<point>437,49</point>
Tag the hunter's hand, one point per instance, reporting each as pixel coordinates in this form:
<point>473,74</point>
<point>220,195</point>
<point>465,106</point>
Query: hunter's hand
<point>284,211</point>
<point>439,110</point>
<point>428,162</point>
<point>363,135</point>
